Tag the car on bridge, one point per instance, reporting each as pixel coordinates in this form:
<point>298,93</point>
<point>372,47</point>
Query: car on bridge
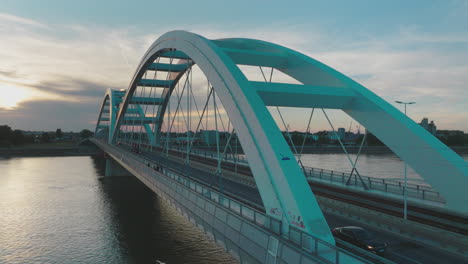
<point>360,237</point>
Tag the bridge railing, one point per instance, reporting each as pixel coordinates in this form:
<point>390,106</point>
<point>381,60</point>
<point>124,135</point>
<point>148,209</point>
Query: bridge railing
<point>211,154</point>
<point>179,175</point>
<point>305,241</point>
<point>418,191</point>
<point>247,212</point>
<point>309,243</point>
<point>383,185</point>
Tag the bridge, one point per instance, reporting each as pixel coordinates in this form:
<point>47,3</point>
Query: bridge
<point>196,125</point>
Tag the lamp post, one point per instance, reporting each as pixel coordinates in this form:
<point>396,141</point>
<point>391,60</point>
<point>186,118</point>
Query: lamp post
<point>405,195</point>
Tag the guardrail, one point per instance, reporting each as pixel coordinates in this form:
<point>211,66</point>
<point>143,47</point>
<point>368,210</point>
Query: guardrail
<point>384,185</point>
<point>418,191</point>
<point>309,243</point>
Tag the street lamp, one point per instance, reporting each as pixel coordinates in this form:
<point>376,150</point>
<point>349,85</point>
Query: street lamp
<point>405,195</point>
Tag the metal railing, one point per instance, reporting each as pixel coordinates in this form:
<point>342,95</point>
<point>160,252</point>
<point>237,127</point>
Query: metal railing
<point>247,212</point>
<point>418,191</point>
<point>378,184</point>
<point>211,154</point>
<point>309,243</point>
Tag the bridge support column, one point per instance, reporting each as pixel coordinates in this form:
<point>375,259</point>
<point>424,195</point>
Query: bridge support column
<point>114,169</point>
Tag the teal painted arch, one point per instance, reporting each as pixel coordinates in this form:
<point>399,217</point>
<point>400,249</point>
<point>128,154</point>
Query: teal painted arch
<point>112,101</point>
<point>280,181</point>
<point>261,139</point>
<point>109,116</point>
<point>437,163</point>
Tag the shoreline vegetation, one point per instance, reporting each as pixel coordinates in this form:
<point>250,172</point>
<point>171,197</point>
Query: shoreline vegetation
<point>333,149</point>
<point>336,149</point>
<point>53,149</point>
<point>74,149</point>
<point>18,143</point>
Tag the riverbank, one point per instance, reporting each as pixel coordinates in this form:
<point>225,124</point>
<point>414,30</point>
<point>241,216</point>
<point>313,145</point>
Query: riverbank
<point>49,150</point>
<point>73,149</point>
<point>336,149</point>
<point>324,149</point>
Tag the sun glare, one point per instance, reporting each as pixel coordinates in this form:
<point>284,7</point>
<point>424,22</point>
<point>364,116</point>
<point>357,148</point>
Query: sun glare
<point>11,96</point>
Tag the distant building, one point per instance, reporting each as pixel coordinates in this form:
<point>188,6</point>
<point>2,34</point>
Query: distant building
<point>430,127</point>
<point>32,133</point>
<point>341,133</point>
<point>314,137</point>
<point>184,140</point>
<point>208,137</point>
<point>333,136</point>
<point>424,123</point>
<point>449,133</point>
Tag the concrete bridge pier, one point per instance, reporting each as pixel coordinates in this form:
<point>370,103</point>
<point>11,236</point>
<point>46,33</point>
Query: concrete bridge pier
<point>114,169</point>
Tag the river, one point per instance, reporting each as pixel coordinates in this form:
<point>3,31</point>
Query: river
<point>386,166</point>
<point>62,210</point>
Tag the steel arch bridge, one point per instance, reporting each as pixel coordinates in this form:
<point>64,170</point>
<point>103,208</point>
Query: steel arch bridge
<point>282,186</point>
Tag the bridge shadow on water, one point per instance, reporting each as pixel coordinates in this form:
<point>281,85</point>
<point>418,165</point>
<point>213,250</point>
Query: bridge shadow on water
<point>147,229</point>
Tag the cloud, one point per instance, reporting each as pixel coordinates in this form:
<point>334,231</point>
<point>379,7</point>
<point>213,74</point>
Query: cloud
<point>73,88</point>
<point>48,115</point>
<point>68,52</point>
<point>9,74</point>
<point>9,19</point>
<point>433,76</point>
<point>74,62</point>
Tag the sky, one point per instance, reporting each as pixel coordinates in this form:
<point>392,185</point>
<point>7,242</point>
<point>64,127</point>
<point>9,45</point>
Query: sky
<point>58,57</point>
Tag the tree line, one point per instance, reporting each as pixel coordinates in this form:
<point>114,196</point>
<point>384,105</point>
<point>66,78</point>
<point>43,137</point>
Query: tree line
<point>14,137</point>
<point>450,139</point>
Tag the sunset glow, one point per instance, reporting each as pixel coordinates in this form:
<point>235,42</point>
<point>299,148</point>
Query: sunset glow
<point>63,63</point>
<point>11,96</point>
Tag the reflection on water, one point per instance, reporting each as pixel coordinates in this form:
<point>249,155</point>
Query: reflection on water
<point>62,210</point>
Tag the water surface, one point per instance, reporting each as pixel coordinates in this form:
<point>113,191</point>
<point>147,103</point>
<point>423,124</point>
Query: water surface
<point>387,166</point>
<point>62,210</point>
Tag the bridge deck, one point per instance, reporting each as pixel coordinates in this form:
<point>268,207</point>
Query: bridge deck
<point>322,183</point>
<point>297,244</point>
<point>203,173</point>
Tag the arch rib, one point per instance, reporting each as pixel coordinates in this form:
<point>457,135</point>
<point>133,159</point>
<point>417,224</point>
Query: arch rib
<point>438,164</point>
<point>112,100</point>
<point>280,181</point>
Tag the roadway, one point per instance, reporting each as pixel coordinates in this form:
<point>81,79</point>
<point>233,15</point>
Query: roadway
<point>394,207</point>
<point>399,250</point>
